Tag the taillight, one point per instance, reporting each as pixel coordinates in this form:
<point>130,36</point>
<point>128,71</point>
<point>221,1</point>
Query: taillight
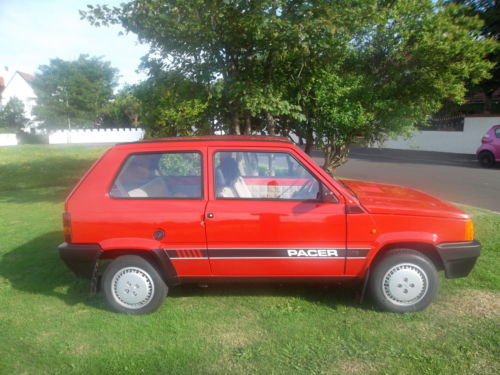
<point>67,226</point>
<point>486,139</point>
<point>469,230</point>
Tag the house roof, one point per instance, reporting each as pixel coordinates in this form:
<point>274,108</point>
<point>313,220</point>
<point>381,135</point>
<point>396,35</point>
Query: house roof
<point>26,76</point>
<point>2,82</point>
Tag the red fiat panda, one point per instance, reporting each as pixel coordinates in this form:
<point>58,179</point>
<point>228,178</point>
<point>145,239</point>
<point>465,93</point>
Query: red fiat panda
<point>207,209</point>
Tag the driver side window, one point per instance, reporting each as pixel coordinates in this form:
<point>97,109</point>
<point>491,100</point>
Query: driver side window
<point>263,176</point>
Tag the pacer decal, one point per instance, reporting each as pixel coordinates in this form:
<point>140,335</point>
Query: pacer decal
<point>321,253</point>
<point>267,253</point>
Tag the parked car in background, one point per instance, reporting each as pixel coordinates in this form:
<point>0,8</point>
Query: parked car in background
<point>489,151</point>
<point>227,209</point>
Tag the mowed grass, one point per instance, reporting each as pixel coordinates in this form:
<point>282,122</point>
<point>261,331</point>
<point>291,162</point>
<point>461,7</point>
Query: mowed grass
<point>50,325</point>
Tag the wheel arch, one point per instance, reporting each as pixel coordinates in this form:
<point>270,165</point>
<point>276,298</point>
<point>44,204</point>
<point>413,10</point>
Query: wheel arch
<point>157,257</point>
<point>427,249</point>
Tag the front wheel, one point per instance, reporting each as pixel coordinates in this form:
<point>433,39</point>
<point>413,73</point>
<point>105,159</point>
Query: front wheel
<point>132,285</point>
<point>403,281</point>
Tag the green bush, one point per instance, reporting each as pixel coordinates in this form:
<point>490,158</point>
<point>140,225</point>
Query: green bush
<point>33,139</point>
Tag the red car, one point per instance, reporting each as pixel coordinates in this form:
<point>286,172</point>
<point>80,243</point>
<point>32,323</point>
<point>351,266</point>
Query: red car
<point>489,151</point>
<point>163,212</point>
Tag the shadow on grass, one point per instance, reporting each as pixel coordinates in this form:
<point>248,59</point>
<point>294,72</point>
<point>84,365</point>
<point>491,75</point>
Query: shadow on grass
<point>55,194</point>
<point>331,295</point>
<point>48,171</point>
<point>35,267</point>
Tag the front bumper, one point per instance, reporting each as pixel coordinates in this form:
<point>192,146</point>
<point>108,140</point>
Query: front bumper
<point>80,258</point>
<point>458,257</point>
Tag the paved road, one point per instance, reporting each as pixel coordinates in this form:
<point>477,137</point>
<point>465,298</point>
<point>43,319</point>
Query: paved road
<point>452,177</point>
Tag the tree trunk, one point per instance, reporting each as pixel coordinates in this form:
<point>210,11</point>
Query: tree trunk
<point>335,156</point>
<point>309,141</point>
<point>248,125</point>
<point>236,123</point>
<point>270,124</point>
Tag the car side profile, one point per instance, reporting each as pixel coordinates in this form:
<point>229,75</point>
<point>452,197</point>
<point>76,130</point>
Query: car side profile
<point>489,152</point>
<point>151,215</point>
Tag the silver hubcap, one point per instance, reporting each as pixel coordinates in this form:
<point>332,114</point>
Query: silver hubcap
<point>405,284</point>
<point>132,287</point>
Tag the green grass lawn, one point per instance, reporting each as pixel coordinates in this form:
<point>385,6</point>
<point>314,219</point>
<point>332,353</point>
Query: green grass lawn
<point>50,325</point>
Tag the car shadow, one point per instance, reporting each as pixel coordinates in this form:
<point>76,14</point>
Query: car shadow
<point>35,267</point>
<point>331,295</point>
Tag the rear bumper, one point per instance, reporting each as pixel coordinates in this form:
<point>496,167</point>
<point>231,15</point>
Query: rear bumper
<point>80,258</point>
<point>458,257</point>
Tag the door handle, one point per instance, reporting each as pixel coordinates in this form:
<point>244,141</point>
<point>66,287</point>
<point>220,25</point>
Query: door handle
<point>210,215</point>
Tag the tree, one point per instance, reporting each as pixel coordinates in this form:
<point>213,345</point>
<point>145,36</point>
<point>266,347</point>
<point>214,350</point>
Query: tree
<point>489,12</point>
<point>73,93</point>
<point>172,105</point>
<point>407,59</point>
<point>334,72</point>
<point>123,110</point>
<point>12,114</point>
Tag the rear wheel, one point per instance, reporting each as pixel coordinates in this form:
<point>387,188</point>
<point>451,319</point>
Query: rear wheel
<point>486,159</point>
<point>132,285</point>
<point>403,281</point>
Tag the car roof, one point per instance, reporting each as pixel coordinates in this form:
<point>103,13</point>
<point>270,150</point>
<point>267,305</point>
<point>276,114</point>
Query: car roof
<point>210,139</point>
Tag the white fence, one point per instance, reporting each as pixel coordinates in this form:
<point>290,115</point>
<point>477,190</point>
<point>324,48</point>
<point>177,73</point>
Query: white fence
<point>459,142</point>
<point>8,140</point>
<point>96,136</point>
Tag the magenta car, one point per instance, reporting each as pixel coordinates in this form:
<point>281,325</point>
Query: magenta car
<point>489,151</point>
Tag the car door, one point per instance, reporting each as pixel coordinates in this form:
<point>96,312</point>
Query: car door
<point>267,216</point>
<point>159,197</point>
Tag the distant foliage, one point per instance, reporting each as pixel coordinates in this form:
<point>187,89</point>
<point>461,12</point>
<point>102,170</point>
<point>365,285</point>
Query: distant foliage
<point>73,93</point>
<point>173,105</point>
<point>332,71</point>
<point>489,12</point>
<point>180,164</point>
<point>122,111</point>
<point>12,115</point>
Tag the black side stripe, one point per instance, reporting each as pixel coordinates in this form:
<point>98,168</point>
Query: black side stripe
<point>266,253</point>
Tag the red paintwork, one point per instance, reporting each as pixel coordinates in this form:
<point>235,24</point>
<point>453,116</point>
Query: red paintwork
<point>393,199</point>
<point>387,215</point>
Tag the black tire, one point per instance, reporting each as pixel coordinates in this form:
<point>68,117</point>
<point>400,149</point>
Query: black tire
<point>486,159</point>
<point>403,281</point>
<point>132,285</point>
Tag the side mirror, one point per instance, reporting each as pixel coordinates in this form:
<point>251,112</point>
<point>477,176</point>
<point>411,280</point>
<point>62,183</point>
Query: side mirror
<point>328,197</point>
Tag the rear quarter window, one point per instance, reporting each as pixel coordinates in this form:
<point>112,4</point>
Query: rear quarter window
<point>168,175</point>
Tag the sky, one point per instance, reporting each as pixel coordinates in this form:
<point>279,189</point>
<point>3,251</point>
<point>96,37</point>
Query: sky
<point>32,32</point>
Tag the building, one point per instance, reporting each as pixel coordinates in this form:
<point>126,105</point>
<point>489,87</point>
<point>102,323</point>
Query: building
<point>18,84</point>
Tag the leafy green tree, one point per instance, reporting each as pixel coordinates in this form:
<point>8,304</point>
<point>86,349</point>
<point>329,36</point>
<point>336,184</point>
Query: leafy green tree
<point>172,105</point>
<point>73,93</point>
<point>489,12</point>
<point>408,57</point>
<point>122,111</point>
<point>332,71</point>
<point>12,114</point>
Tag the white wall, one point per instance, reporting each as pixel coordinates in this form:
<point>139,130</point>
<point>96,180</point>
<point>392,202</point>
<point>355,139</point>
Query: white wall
<point>8,140</point>
<point>96,136</point>
<point>460,142</point>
